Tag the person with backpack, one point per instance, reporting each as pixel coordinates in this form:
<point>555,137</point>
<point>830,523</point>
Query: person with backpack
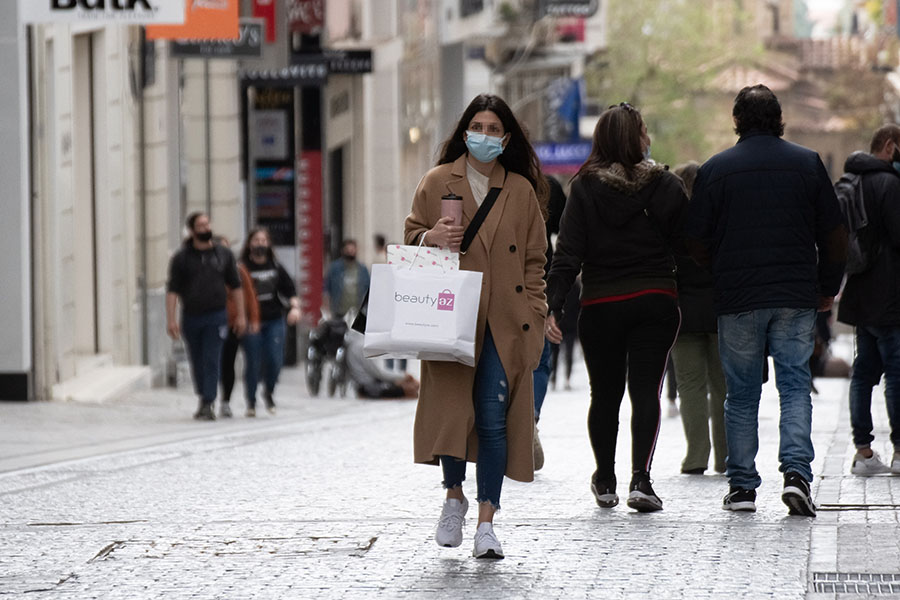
<point>201,275</point>
<point>869,193</point>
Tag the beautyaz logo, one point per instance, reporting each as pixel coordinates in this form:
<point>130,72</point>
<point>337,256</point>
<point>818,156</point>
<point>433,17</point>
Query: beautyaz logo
<point>446,300</point>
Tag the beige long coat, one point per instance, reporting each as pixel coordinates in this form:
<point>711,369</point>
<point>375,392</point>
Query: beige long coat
<point>510,251</point>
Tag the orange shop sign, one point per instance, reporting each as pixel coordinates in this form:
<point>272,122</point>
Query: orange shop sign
<point>203,20</point>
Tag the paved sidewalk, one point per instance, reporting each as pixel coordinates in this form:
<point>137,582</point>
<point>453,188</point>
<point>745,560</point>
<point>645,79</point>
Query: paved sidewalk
<point>323,501</point>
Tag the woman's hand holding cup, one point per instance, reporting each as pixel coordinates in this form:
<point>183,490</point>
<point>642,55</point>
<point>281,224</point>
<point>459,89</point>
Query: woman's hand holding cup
<point>445,235</point>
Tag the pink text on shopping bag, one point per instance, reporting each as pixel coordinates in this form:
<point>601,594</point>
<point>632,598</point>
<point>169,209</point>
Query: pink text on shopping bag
<point>446,300</point>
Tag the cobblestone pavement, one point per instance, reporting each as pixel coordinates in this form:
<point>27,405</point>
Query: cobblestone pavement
<point>323,501</point>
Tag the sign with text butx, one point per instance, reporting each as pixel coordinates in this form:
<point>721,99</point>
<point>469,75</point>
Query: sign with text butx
<point>129,12</point>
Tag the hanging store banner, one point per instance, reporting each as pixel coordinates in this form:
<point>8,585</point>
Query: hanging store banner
<point>306,16</point>
<point>265,10</point>
<point>248,44</point>
<point>203,20</point>
<point>568,8</point>
<point>310,238</point>
<point>129,12</point>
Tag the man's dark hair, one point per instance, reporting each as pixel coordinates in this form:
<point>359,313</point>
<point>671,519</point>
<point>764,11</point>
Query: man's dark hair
<point>883,135</point>
<point>756,108</point>
<point>380,240</point>
<point>349,241</point>
<point>192,218</point>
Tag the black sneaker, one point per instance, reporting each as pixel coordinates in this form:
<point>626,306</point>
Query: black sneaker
<point>205,412</point>
<point>739,499</point>
<point>641,496</point>
<point>604,491</point>
<point>225,410</point>
<point>796,495</point>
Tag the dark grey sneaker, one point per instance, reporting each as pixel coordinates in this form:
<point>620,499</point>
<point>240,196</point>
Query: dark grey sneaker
<point>205,412</point>
<point>739,499</point>
<point>270,402</point>
<point>604,491</point>
<point>641,496</point>
<point>796,495</point>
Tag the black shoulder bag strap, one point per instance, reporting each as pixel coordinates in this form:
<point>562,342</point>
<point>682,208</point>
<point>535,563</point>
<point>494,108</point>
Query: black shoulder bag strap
<point>479,218</point>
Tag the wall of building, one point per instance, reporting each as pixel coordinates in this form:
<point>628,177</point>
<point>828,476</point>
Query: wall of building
<point>15,229</point>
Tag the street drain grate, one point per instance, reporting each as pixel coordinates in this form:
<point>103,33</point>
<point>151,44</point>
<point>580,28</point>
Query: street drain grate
<point>837,507</point>
<point>873,584</point>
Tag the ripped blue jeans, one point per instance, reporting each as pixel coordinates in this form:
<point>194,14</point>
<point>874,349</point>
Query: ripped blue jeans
<point>491,398</point>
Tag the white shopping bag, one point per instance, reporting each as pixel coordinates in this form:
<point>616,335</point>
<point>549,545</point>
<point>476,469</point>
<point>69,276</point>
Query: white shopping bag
<point>422,313</point>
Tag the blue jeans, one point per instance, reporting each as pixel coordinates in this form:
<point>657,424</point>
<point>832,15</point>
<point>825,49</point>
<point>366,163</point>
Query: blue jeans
<point>542,378</point>
<point>877,352</point>
<point>789,333</point>
<point>204,335</point>
<point>491,398</point>
<point>265,356</point>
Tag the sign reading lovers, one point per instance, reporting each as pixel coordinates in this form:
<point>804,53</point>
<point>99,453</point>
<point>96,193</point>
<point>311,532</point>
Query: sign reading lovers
<point>132,12</point>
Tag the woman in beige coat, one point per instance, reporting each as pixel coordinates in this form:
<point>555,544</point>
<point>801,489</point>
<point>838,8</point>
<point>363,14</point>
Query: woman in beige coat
<point>485,413</point>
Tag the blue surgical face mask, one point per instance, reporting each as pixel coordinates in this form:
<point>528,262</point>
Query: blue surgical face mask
<point>484,148</point>
<point>896,166</point>
<point>647,152</point>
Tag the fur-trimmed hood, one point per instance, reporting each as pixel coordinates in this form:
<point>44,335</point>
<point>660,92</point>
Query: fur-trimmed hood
<point>618,198</point>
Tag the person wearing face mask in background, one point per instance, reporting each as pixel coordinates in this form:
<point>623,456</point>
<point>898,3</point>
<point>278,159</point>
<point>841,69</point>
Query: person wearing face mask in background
<point>485,414</point>
<point>201,276</point>
<point>229,351</point>
<point>274,287</point>
<point>347,281</point>
<point>870,301</point>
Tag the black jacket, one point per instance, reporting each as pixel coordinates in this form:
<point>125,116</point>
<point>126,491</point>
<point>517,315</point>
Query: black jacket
<point>200,277</point>
<point>873,297</point>
<point>765,213</point>
<point>619,232</point>
<point>695,297</point>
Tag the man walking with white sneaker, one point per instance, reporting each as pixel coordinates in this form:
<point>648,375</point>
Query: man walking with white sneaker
<point>871,299</point>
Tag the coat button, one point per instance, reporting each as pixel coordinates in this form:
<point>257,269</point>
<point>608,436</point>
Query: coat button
<point>512,248</point>
<point>526,327</point>
<point>519,289</point>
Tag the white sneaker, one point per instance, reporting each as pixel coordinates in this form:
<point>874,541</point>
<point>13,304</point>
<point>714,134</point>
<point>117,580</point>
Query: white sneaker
<point>486,543</point>
<point>895,463</point>
<point>449,528</point>
<point>870,466</point>
<point>538,451</point>
<point>673,409</point>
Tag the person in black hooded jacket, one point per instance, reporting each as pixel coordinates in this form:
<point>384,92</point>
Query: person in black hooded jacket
<point>871,301</point>
<point>621,223</point>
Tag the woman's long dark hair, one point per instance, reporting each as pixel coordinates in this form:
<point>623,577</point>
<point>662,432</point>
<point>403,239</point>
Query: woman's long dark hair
<point>617,139</point>
<point>245,251</point>
<point>518,156</point>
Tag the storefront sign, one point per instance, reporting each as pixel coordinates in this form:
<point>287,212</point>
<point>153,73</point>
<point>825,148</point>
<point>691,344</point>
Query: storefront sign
<point>132,12</point>
<point>265,10</point>
<point>306,16</point>
<point>348,62</point>
<point>310,241</point>
<point>203,20</point>
<point>313,71</point>
<point>569,8</point>
<point>248,44</point>
<point>562,158</point>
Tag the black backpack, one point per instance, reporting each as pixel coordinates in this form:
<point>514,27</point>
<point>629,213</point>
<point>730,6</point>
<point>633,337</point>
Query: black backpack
<point>861,249</point>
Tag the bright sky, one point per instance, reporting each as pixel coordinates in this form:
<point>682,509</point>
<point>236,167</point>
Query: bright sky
<point>823,12</point>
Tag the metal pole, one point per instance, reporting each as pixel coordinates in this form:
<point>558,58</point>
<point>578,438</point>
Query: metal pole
<point>208,118</point>
<point>142,179</point>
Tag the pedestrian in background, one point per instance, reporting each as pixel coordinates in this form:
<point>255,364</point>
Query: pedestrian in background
<point>621,223</point>
<point>380,246</point>
<point>201,276</point>
<point>698,369</point>
<point>569,328</point>
<point>871,300</point>
<point>485,413</point>
<point>229,350</point>
<point>275,292</point>
<point>765,216</point>
<point>347,281</point>
<point>556,203</point>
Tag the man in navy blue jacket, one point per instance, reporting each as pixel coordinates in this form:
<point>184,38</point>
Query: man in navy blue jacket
<point>765,217</point>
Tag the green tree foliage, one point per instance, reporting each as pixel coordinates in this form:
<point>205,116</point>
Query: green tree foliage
<point>662,56</point>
